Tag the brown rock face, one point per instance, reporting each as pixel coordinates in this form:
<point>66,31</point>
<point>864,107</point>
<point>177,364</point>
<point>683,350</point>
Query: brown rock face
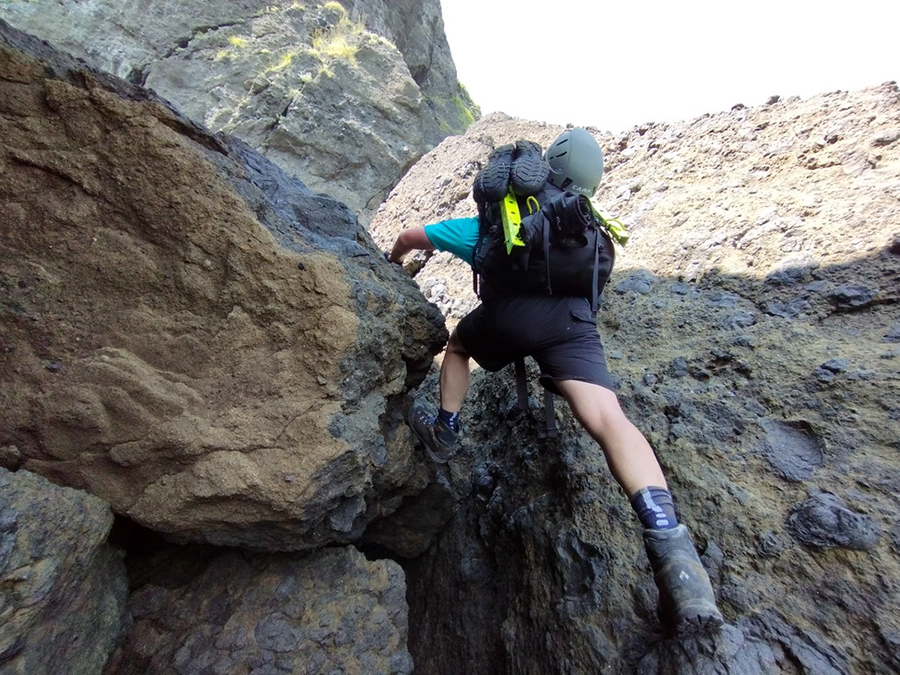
<point>186,332</point>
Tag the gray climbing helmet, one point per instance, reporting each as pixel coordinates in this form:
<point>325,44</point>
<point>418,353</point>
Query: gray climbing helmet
<point>576,162</point>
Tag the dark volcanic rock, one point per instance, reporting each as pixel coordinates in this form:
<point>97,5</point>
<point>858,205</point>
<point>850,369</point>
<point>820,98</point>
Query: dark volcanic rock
<point>62,586</point>
<point>792,449</point>
<point>824,521</point>
<point>329,610</point>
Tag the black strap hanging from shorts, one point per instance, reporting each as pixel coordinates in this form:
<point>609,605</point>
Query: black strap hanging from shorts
<point>550,429</point>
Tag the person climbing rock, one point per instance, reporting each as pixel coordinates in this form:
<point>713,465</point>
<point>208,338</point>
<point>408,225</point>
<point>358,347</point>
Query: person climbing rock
<point>540,279</point>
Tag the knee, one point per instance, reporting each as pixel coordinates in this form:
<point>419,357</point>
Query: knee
<point>608,418</point>
<point>612,411</point>
<point>597,408</point>
<point>455,345</point>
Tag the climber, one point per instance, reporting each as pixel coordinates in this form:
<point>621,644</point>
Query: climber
<point>560,333</point>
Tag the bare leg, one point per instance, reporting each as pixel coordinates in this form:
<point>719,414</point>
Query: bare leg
<point>454,375</point>
<point>687,602</point>
<point>628,454</point>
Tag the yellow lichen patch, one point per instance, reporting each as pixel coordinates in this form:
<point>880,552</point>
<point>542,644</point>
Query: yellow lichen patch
<point>340,41</point>
<point>283,62</point>
<point>337,7</point>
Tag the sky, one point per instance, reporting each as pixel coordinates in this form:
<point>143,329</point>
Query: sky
<point>617,65</point>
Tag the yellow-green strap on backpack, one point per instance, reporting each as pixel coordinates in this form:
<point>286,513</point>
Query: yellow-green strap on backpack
<point>614,226</point>
<point>512,221</point>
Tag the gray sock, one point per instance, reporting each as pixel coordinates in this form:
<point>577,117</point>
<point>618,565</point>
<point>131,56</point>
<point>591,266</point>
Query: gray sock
<point>654,508</point>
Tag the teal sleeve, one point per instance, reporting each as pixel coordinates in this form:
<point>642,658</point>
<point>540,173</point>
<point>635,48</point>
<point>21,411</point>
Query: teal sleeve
<point>457,236</point>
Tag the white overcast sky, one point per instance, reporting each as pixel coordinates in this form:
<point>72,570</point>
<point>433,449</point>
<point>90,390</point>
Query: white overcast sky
<point>617,65</point>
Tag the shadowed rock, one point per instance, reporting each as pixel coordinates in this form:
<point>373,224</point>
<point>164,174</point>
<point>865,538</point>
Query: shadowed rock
<point>792,449</point>
<point>764,645</point>
<point>267,613</point>
<point>62,586</point>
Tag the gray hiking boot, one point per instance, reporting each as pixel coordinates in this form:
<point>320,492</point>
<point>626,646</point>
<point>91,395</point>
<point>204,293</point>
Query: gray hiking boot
<point>686,600</point>
<point>439,439</point>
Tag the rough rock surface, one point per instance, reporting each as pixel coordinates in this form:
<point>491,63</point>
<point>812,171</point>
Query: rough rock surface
<point>62,586</point>
<point>224,357</point>
<point>751,326</point>
<point>344,96</point>
<point>187,332</point>
<point>242,613</point>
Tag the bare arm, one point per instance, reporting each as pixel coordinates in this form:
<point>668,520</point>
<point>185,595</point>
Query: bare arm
<point>409,240</point>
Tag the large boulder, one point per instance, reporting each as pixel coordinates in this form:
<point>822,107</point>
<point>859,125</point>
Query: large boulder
<point>63,589</point>
<point>187,332</point>
<point>344,97</point>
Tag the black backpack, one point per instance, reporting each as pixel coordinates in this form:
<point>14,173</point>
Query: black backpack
<point>562,247</point>
<point>534,238</point>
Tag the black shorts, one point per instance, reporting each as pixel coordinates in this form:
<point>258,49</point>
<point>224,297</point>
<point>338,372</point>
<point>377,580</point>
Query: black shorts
<point>560,333</point>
